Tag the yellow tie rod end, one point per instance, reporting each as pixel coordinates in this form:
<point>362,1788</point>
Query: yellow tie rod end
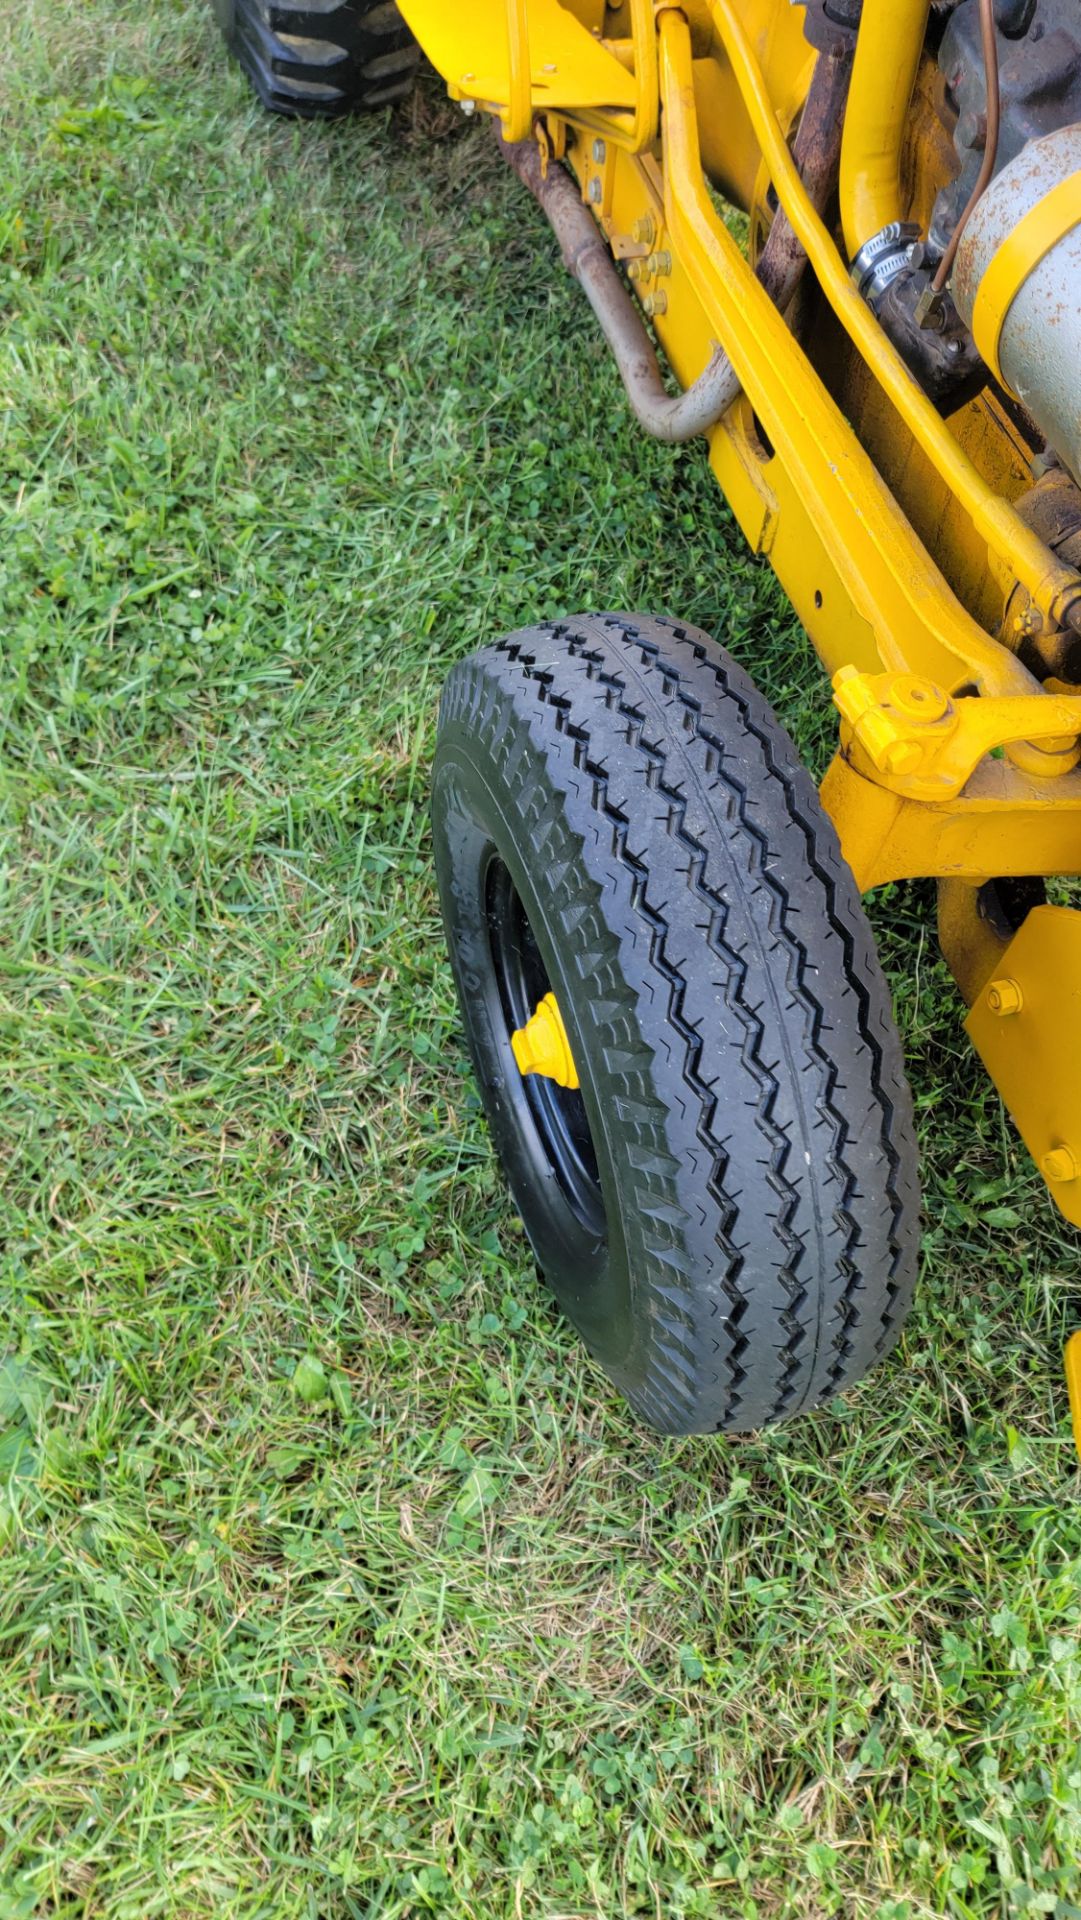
<point>542,1046</point>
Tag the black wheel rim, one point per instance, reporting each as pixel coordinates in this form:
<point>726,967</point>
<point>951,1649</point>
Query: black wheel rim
<point>560,1136</point>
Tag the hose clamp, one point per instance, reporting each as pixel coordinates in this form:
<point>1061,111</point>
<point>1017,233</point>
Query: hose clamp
<point>882,258</point>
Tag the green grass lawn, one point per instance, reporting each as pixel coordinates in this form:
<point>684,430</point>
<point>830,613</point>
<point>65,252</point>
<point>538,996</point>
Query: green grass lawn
<point>334,1579</point>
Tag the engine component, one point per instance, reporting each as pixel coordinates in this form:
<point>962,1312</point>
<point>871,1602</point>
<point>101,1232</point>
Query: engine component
<point>1017,284</point>
<point>1052,508</point>
<point>992,116</point>
<point>1039,86</point>
<point>929,333</point>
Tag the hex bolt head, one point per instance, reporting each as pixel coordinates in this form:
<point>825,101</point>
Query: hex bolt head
<point>901,756</point>
<point>1059,1165</point>
<point>656,302</point>
<point>1004,996</point>
<point>1029,621</point>
<point>643,230</point>
<point>596,192</point>
<point>599,152</point>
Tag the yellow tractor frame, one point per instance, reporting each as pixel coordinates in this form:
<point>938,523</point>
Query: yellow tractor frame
<point>898,544</point>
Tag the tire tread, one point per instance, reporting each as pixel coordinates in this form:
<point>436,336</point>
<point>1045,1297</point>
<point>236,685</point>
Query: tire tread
<point>586,676</point>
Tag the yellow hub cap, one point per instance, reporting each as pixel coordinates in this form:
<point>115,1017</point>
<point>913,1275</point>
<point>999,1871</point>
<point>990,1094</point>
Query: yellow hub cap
<point>541,1046</point>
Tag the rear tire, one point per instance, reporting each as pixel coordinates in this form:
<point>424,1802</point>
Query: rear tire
<point>324,58</point>
<point>728,1211</point>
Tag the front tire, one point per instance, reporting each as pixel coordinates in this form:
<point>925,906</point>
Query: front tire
<point>315,62</point>
<point>728,1210</point>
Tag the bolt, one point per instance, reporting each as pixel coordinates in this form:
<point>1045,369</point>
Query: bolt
<point>468,106</point>
<point>598,152</point>
<point>930,310</point>
<point>596,192</point>
<point>656,302</point>
<point>1029,622</point>
<point>643,230</point>
<point>659,262</point>
<point>1059,1165</point>
<point>1004,996</point>
<point>901,756</point>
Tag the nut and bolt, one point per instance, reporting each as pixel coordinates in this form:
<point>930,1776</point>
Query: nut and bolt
<point>643,230</point>
<point>1029,622</point>
<point>655,302</point>
<point>1059,1165</point>
<point>659,262</point>
<point>596,192</point>
<point>468,106</point>
<point>599,152</point>
<point>1004,996</point>
<point>971,130</point>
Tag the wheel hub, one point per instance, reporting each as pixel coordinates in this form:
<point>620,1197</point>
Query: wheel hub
<point>542,1046</point>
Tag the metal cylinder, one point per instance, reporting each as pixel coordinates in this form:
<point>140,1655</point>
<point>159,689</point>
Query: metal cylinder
<point>1017,284</point>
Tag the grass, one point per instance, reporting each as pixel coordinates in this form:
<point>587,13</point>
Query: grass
<point>335,1580</point>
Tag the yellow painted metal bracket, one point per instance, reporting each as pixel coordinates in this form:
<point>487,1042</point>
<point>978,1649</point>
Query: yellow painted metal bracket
<point>1026,1027</point>
<point>907,731</point>
<point>1006,822</point>
<point>973,938</point>
<point>516,58</point>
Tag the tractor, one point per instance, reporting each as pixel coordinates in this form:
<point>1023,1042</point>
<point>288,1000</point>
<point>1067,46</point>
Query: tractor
<point>679,1026</point>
